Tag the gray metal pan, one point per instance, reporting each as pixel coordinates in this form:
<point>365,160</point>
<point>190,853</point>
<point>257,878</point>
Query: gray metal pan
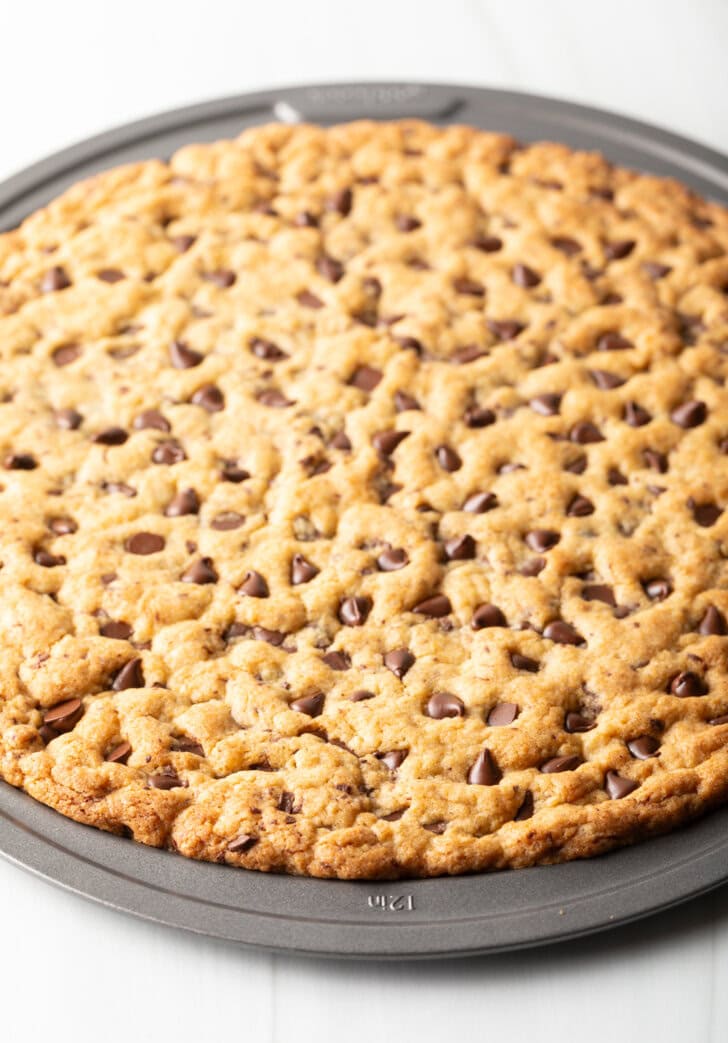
<point>417,918</point>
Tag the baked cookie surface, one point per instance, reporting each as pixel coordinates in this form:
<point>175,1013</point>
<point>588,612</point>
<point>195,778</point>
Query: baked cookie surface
<point>362,502</point>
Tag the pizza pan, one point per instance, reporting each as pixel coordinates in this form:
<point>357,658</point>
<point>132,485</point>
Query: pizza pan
<point>413,918</point>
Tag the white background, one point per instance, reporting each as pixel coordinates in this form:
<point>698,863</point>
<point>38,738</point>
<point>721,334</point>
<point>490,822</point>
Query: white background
<point>71,971</point>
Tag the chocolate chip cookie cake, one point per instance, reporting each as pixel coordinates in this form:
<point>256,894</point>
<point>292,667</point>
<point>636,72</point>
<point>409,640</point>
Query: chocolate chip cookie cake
<point>363,502</point>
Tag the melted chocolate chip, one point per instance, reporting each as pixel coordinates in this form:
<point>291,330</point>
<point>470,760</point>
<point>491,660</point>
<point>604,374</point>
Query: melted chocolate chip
<point>404,401</point>
<point>478,416</point>
<point>613,341</point>
<point>221,277</point>
<point>599,592</point>
<point>274,399</point>
<point>617,786</point>
<point>460,548</point>
<point>267,350</point>
<point>689,414</point>
<point>226,521</point>
<point>556,764</point>
<point>210,398</point>
<point>503,714</point>
<point>168,453</point>
<point>605,380</point>
<point>119,754</point>
<point>435,607</point>
<point>241,844</point>
<point>687,684</point>
<point>165,779</point>
<point>488,243</point>
<point>341,201</point>
<point>448,459</point>
<point>407,223</point>
<point>643,747</point>
<point>523,662</point>
<point>656,460</point>
<point>392,759</point>
<point>705,514</point>
<point>63,717</point>
<point>68,419</point>
<point>311,705</point>
<point>392,560</point>
<point>619,249</point>
<point>713,622</point>
<point>117,629</point>
<point>577,722</point>
<point>66,354</point>
<point>55,279</point>
<point>505,329</point>
<point>584,432</point>
<point>487,615</point>
<point>302,571</point>
<point>185,502</point>
<point>144,543</point>
<point>526,809</point>
<point>337,660</point>
<point>398,661</point>
<point>541,540</point>
<point>366,378</point>
<point>330,268</point>
<point>152,418</point>
<point>580,507</point>
<point>20,462</point>
<point>468,286</point>
<point>444,704</point>
<point>385,442</point>
<point>201,572</point>
<point>547,404</point>
<point>353,611</point>
<point>563,633</point>
<point>524,276</point>
<point>183,357</point>
<point>480,503</point>
<point>657,589</point>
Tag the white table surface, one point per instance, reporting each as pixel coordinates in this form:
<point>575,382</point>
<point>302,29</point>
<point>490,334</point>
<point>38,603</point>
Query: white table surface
<point>73,971</point>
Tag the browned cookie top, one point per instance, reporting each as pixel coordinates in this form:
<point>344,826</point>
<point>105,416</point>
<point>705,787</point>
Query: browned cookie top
<point>362,502</point>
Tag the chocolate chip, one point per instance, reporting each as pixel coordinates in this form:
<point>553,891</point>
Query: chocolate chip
<point>302,571</point>
<point>221,277</point>
<point>111,436</point>
<point>360,696</point>
<point>144,543</point>
<point>226,521</point>
<point>404,402</point>
<point>366,378</point>
<point>468,286</point>
<point>568,246</point>
<point>617,786</point>
<point>287,803</point>
<point>185,502</point>
<point>68,419</point>
<point>165,779</point>
<point>340,441</point>
<point>337,660</point>
<point>577,722</point>
<point>480,503</point>
<point>577,465</point>
<point>541,540</point>
<point>547,404</point>
<point>705,514</point>
<point>657,589</point>
<point>271,637</point>
<point>66,353</point>
<point>393,559</point>
<point>656,460</point>
<point>563,633</point>
<point>435,607</point>
<point>580,507</point>
<point>407,223</point>
<point>713,622</point>
<point>63,717</point>
<point>20,462</point>
<point>448,459</point>
<point>489,244</point>
<point>241,844</point>
<point>152,418</point>
<point>689,414</point>
<point>460,548</point>
<point>524,662</point>
<point>484,771</point>
<point>533,567</point>
<point>117,629</point>
<point>524,276</point>
<point>616,251</point>
<point>385,442</point>
<point>723,719</point>
<point>55,279</point>
<point>615,477</point>
<point>585,432</point>
<point>605,380</point>
<point>309,300</point>
<point>182,243</point>
<point>487,616</point>
<point>201,572</point>
<point>398,661</point>
<point>267,350</point>
<point>341,201</point>
<point>393,758</point>
<point>119,487</point>
<point>119,754</point>
<point>187,744</point>
<point>311,705</point>
<point>503,714</point>
<point>254,586</point>
<point>62,526</point>
<point>468,353</point>
<point>131,675</point>
<point>168,453</point>
<point>210,398</point>
<point>330,268</point>
<point>184,357</point>
<point>353,611</point>
<point>555,764</point>
<point>655,270</point>
<point>687,684</point>
<point>438,828</point>
<point>410,344</point>
<point>274,399</point>
<point>599,592</point>
<point>505,329</point>
<point>643,747</point>
<point>478,416</point>
<point>526,809</point>
<point>110,275</point>
<point>48,560</point>
<point>636,415</point>
<point>612,341</point>
<point>232,472</point>
<point>444,704</point>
